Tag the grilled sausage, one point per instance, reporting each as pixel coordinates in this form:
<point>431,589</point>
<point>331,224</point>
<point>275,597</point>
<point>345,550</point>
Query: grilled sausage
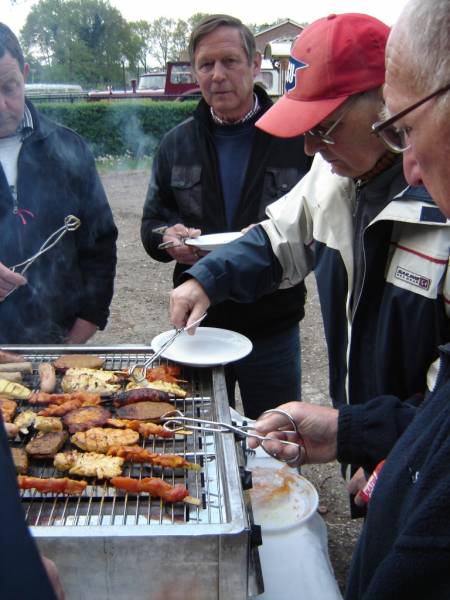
<point>47,377</point>
<point>10,357</point>
<point>140,395</point>
<point>145,411</point>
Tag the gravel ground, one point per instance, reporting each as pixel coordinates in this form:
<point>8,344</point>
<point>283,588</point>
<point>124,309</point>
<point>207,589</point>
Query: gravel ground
<point>139,311</point>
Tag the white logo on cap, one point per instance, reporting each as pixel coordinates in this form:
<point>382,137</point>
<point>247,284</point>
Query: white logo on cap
<point>291,75</point>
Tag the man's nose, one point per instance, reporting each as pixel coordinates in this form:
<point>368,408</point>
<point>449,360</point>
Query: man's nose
<point>218,71</point>
<point>2,102</point>
<point>312,144</point>
<point>411,168</point>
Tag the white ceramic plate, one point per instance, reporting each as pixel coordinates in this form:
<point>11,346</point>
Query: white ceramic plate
<point>208,347</point>
<point>281,498</point>
<point>214,240</point>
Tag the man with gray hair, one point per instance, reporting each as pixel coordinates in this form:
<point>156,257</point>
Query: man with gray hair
<point>215,173</point>
<point>404,548</point>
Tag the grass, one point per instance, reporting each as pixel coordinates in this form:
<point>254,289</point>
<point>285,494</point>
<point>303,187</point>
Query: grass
<point>106,164</point>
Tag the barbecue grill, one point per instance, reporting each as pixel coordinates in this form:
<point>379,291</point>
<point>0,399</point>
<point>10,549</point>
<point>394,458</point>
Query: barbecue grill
<point>113,545</point>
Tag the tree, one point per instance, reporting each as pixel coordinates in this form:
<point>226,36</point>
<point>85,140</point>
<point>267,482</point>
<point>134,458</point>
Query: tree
<point>141,30</point>
<point>79,40</point>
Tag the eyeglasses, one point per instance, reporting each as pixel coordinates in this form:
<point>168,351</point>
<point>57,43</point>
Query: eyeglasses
<point>324,135</point>
<point>397,139</point>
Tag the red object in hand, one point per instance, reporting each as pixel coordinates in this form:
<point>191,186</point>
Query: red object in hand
<point>366,493</point>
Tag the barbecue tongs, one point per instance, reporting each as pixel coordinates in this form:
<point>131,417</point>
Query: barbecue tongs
<point>176,421</point>
<point>71,223</point>
<point>142,372</point>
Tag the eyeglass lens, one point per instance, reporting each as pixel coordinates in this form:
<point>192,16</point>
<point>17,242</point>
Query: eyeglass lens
<point>395,139</point>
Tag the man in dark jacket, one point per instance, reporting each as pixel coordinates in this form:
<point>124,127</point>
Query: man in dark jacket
<point>378,288</point>
<point>48,173</point>
<point>215,173</point>
<point>404,548</point>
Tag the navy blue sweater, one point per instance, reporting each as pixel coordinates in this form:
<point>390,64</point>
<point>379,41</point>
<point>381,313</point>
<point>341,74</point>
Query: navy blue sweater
<point>404,549</point>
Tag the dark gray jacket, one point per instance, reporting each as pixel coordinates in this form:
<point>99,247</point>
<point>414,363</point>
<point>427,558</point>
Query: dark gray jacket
<point>185,187</point>
<point>56,178</point>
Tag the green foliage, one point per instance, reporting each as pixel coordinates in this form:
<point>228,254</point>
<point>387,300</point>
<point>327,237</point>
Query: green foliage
<point>131,128</point>
<point>79,40</point>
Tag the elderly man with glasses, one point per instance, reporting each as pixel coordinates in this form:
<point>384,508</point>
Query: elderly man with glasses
<point>404,548</point>
<point>380,253</point>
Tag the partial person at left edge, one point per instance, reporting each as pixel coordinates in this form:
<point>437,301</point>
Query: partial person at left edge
<point>47,172</point>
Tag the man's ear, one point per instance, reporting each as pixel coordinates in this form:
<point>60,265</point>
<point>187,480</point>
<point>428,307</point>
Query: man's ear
<point>26,71</point>
<point>257,64</point>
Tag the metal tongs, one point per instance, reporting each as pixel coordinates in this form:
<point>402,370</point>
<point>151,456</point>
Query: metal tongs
<point>71,223</point>
<point>176,421</point>
<point>157,354</point>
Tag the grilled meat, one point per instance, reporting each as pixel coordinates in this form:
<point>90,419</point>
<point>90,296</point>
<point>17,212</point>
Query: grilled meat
<point>47,377</point>
<point>145,429</point>
<point>155,487</point>
<point>15,376</point>
<point>136,454</point>
<point>46,424</point>
<point>140,395</point>
<point>55,410</point>
<point>85,417</point>
<point>52,484</point>
<point>100,439</point>
<point>20,460</point>
<point>168,373</point>
<point>25,420</point>
<point>46,445</point>
<point>171,388</point>
<point>7,409</point>
<point>105,383</point>
<point>89,464</point>
<point>9,357</point>
<point>59,410</point>
<point>79,361</point>
<point>23,367</point>
<point>85,398</point>
<point>145,411</point>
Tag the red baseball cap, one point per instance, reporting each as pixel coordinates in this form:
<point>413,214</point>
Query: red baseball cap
<point>332,59</point>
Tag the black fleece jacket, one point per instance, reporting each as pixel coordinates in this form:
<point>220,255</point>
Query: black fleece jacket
<point>185,187</point>
<point>56,178</point>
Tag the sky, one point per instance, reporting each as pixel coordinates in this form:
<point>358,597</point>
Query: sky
<point>249,11</point>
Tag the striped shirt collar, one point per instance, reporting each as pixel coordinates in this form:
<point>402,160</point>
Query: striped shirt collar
<point>26,126</point>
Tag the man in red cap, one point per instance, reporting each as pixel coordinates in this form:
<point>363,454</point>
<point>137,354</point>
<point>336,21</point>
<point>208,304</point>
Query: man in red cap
<point>380,253</point>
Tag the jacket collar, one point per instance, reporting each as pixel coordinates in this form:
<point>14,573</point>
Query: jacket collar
<point>202,111</point>
<point>42,127</point>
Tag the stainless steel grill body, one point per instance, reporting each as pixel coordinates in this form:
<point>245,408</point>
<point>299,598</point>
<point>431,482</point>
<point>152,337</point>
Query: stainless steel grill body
<point>110,545</point>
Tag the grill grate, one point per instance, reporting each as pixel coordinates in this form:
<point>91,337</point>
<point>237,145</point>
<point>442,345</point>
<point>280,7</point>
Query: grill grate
<point>103,505</point>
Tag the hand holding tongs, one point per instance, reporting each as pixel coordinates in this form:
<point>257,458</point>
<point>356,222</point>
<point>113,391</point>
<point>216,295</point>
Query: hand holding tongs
<point>71,223</point>
<point>175,421</point>
<point>167,343</point>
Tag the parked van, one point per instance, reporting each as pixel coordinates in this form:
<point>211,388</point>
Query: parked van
<point>269,78</point>
<point>54,92</point>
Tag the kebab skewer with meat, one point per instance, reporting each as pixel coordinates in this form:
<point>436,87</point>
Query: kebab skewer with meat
<point>136,454</point>
<point>54,485</point>
<point>146,429</point>
<point>155,487</point>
